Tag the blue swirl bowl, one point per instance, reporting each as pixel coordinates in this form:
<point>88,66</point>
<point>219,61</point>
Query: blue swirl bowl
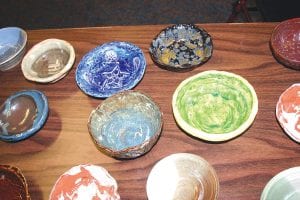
<point>126,125</point>
<point>110,68</point>
<point>22,115</point>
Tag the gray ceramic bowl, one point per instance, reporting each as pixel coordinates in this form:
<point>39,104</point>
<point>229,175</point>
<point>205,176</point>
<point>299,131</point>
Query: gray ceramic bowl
<point>126,125</point>
<point>12,47</point>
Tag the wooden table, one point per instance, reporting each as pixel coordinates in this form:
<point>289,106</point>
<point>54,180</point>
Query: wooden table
<point>244,165</point>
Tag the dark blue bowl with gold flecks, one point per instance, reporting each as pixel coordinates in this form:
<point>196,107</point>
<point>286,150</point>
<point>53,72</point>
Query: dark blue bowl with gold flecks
<point>181,47</point>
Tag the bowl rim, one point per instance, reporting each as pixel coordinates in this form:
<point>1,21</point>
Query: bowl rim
<point>55,77</point>
<point>23,45</point>
<point>184,156</point>
<point>124,153</point>
<point>215,137</point>
<point>278,54</point>
<point>39,120</point>
<point>274,180</point>
<point>290,133</point>
<point>173,68</point>
<point>105,94</point>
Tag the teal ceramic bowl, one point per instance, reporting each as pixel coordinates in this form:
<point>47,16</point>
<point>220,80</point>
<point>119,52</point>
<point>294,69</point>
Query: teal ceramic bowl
<point>126,125</point>
<point>285,185</point>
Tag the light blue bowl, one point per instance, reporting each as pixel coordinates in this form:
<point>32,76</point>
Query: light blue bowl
<point>12,47</point>
<point>22,115</point>
<point>126,125</point>
<point>110,68</point>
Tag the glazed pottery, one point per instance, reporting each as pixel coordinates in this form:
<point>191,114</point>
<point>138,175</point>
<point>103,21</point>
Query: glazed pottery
<point>48,61</point>
<point>86,182</point>
<point>12,47</point>
<point>126,125</point>
<point>182,176</point>
<point>215,105</point>
<point>181,46</point>
<point>110,68</point>
<point>285,43</point>
<point>22,115</point>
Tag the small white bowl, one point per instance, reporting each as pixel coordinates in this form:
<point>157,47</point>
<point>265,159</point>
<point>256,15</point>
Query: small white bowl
<point>48,61</point>
<point>12,47</point>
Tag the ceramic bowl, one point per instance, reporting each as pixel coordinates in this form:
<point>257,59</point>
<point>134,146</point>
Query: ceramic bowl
<point>86,182</point>
<point>48,61</point>
<point>182,176</point>
<point>110,68</point>
<point>126,125</point>
<point>285,43</point>
<point>12,47</point>
<point>13,183</point>
<point>215,105</point>
<point>285,185</point>
<point>287,111</point>
<point>22,115</point>
<point>181,46</point>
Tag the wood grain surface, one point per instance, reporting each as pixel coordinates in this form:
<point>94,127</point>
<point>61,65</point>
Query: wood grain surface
<point>244,165</point>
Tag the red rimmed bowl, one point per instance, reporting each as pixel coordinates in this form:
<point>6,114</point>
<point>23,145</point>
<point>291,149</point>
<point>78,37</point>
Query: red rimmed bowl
<point>285,43</point>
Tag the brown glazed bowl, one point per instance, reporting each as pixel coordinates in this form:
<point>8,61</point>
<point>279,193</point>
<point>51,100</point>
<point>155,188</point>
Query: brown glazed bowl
<point>285,43</point>
<point>13,184</point>
<point>126,125</point>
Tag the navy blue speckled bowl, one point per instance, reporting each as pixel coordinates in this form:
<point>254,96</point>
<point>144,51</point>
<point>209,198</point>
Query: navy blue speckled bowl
<point>110,68</point>
<point>22,115</point>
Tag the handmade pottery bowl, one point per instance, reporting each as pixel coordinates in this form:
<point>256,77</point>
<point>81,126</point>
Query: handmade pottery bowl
<point>287,111</point>
<point>182,176</point>
<point>22,115</point>
<point>126,125</point>
<point>215,105</point>
<point>285,185</point>
<point>48,61</point>
<point>86,182</point>
<point>13,183</point>
<point>12,47</point>
<point>181,46</point>
<point>110,68</point>
<point>285,43</point>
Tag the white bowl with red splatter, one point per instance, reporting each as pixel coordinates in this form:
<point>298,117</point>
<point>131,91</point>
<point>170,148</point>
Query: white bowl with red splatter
<point>288,111</point>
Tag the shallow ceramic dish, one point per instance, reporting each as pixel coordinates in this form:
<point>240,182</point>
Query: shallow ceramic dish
<point>285,185</point>
<point>287,111</point>
<point>86,182</point>
<point>13,184</point>
<point>110,68</point>
<point>12,47</point>
<point>182,176</point>
<point>126,125</point>
<point>215,105</point>
<point>22,115</point>
<point>48,61</point>
<point>181,46</point>
<point>285,43</point>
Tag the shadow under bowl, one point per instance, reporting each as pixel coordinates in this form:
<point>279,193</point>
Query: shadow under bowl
<point>48,61</point>
<point>22,115</point>
<point>285,43</point>
<point>13,183</point>
<point>182,176</point>
<point>126,125</point>
<point>181,47</point>
<point>12,47</point>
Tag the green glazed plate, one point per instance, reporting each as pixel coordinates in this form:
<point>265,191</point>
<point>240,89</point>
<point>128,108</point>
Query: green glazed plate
<point>215,105</point>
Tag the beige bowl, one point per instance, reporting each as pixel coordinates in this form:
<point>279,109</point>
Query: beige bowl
<point>48,61</point>
<point>182,176</point>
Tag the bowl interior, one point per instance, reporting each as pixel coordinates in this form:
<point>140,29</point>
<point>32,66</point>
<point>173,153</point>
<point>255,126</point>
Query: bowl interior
<point>181,46</point>
<point>285,41</point>
<point>47,58</point>
<point>12,42</point>
<point>182,176</point>
<point>125,120</point>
